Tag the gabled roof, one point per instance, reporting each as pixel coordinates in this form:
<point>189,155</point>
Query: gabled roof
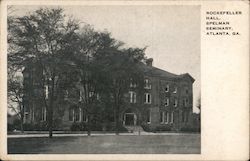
<point>153,71</point>
<point>188,76</point>
<point>158,72</point>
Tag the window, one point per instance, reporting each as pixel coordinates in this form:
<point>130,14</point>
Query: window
<point>172,117</point>
<point>185,102</point>
<point>147,97</point>
<point>98,96</point>
<point>175,90</point>
<point>166,117</point>
<point>26,115</point>
<point>148,117</point>
<point>46,91</point>
<point>167,88</point>
<point>175,102</point>
<point>91,94</point>
<point>74,114</point>
<point>80,95</point>
<point>33,115</point>
<point>77,114</point>
<point>44,114</point>
<point>166,102</point>
<point>132,96</point>
<point>66,95</point>
<point>162,117</point>
<point>84,116</point>
<point>186,117</point>
<point>71,114</point>
<point>186,91</point>
<point>147,84</point>
<point>183,116</point>
<point>132,83</point>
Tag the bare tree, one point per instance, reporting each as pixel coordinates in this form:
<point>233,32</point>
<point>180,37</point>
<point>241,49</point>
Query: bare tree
<point>15,96</point>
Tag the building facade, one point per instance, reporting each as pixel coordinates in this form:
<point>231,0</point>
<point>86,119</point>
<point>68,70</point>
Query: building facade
<point>165,105</point>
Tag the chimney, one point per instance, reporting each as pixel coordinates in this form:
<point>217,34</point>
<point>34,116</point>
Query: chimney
<point>149,62</point>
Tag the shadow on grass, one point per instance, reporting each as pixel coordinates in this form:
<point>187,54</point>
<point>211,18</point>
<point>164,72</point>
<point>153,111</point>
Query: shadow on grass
<point>175,144</point>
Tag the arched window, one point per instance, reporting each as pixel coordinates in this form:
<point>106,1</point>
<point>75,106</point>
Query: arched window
<point>147,84</point>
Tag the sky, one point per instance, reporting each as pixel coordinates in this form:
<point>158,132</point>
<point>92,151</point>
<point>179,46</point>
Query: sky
<point>171,33</point>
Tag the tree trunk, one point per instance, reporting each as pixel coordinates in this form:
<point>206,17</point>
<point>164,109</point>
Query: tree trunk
<point>89,125</point>
<point>50,117</point>
<point>116,120</point>
<point>21,125</point>
<point>22,118</point>
<point>51,105</point>
<point>50,122</point>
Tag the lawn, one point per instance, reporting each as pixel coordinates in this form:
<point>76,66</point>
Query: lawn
<point>151,144</point>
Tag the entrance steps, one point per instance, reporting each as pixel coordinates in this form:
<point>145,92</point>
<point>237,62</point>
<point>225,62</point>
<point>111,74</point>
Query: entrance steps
<point>133,129</point>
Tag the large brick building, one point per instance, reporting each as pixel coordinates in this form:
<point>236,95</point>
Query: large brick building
<point>167,101</point>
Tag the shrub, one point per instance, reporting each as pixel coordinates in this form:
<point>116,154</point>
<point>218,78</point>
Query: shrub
<point>82,126</point>
<point>28,127</point>
<point>17,124</point>
<point>41,126</point>
<point>163,128</point>
<point>78,126</point>
<point>190,129</point>
<point>96,127</point>
<point>75,127</point>
<point>146,127</point>
<point>112,127</point>
<point>10,127</point>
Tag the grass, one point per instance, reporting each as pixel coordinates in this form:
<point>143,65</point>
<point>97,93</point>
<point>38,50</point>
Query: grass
<point>152,144</point>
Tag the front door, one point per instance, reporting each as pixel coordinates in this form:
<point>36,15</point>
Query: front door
<point>129,119</point>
